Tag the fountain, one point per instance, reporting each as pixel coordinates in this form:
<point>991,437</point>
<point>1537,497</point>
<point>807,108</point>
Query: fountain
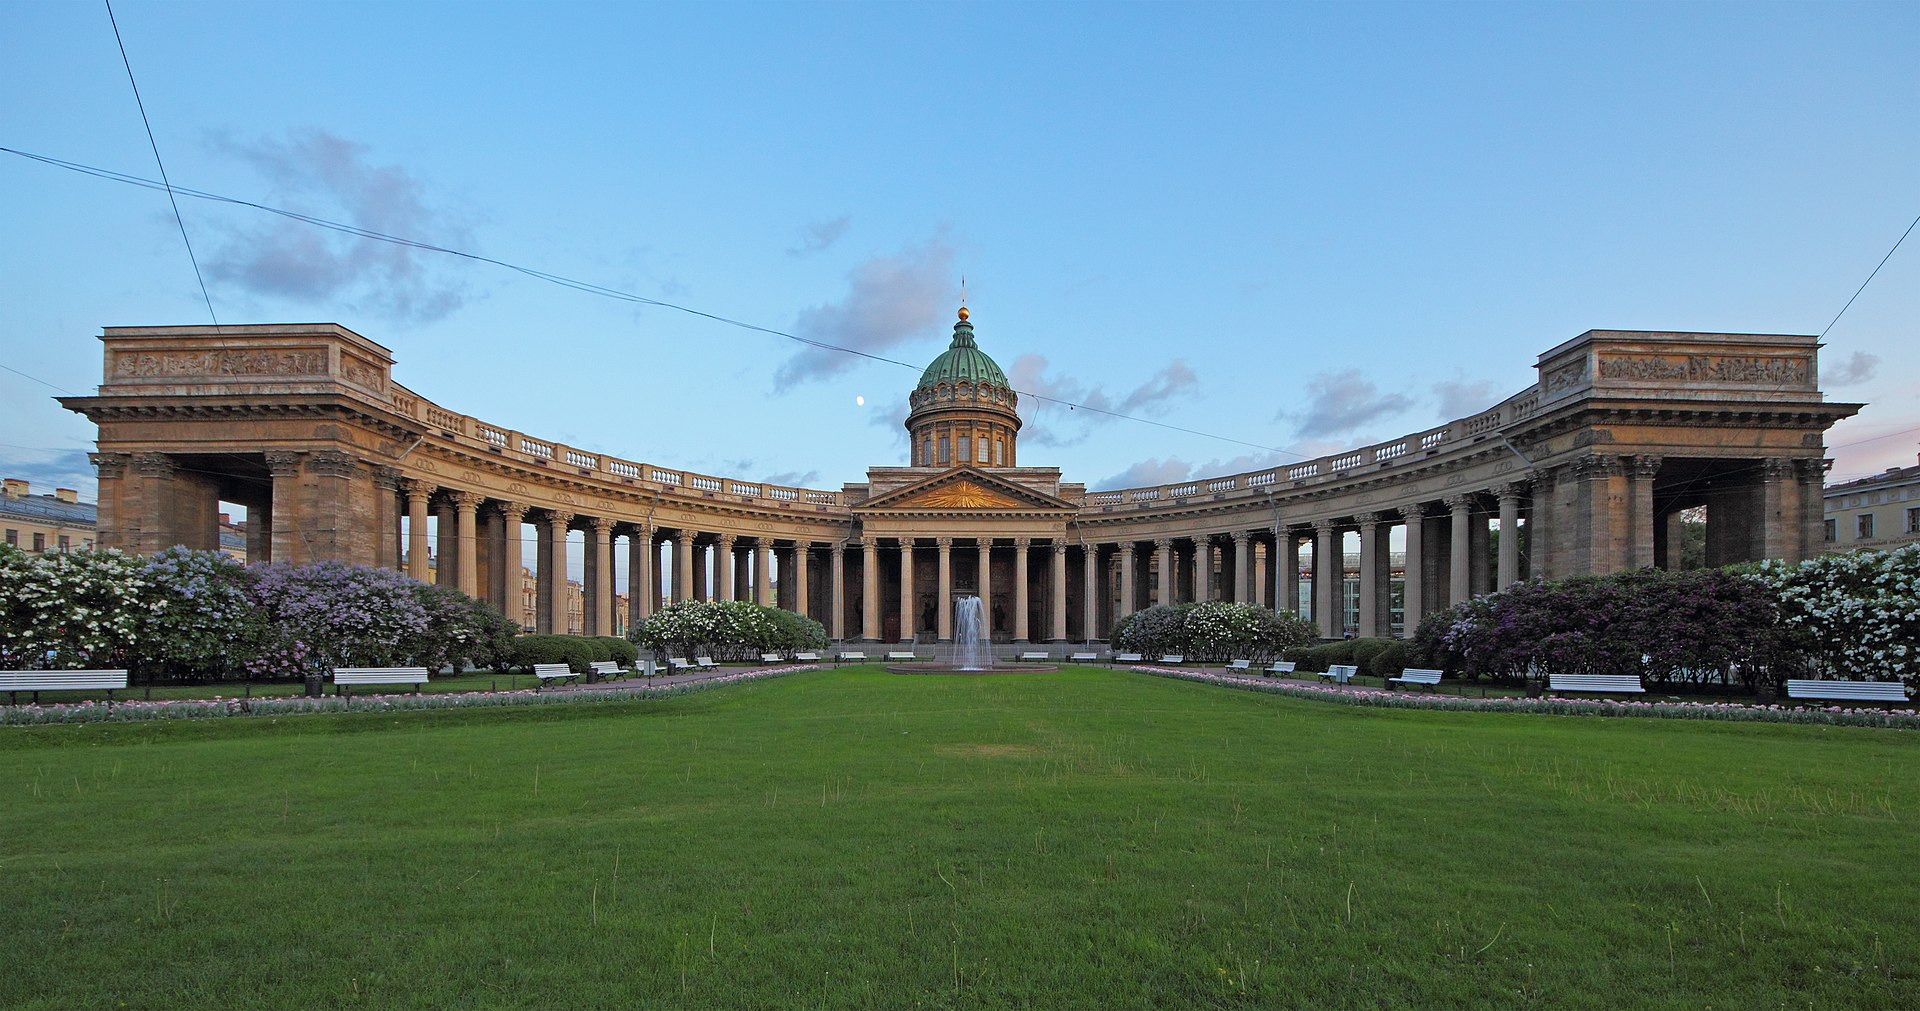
<point>970,652</point>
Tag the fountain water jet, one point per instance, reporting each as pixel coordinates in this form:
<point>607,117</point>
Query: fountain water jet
<point>970,652</point>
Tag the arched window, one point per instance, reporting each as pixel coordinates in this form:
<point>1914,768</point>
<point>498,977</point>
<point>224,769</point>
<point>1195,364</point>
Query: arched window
<point>966,449</point>
<point>999,453</point>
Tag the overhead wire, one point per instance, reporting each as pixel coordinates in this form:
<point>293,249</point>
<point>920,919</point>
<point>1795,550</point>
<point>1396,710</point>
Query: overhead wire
<point>144,121</point>
<point>588,287</point>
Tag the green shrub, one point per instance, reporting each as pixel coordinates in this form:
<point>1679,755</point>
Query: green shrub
<point>571,650</point>
<point>1390,662</point>
<point>1365,651</point>
<point>619,650</point>
<point>1316,659</point>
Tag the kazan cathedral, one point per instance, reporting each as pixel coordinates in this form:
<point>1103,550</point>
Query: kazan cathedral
<point>1591,467</point>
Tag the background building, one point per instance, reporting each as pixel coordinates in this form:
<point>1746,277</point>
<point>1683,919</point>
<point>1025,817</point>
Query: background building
<point>1881,511</point>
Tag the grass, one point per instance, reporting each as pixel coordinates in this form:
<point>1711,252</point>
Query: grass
<point>856,839</point>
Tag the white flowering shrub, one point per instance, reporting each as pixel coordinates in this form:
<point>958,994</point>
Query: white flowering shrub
<point>1855,615</point>
<point>73,609</point>
<point>726,630</point>
<point>1212,630</point>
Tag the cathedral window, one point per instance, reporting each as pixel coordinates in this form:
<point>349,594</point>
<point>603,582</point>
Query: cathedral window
<point>966,448</point>
<point>943,450</point>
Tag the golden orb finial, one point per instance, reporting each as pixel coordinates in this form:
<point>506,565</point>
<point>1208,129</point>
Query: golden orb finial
<point>963,314</point>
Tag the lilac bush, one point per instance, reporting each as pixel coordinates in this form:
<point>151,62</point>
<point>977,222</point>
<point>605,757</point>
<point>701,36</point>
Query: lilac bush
<point>199,620</point>
<point>1853,615</point>
<point>331,614</point>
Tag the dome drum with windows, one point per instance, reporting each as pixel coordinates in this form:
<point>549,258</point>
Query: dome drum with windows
<point>963,412</point>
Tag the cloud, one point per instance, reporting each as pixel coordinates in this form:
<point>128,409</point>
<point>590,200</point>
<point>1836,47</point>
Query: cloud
<point>1041,418</point>
<point>47,469</point>
<point>818,235</point>
<point>889,300</point>
<point>331,177</point>
<point>1339,402</point>
<point>1858,368</point>
<point>1459,397</point>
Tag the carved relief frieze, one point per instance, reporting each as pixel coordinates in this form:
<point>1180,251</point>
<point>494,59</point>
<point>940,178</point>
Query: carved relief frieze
<point>1570,376</point>
<point>223,364</point>
<point>1746,370</point>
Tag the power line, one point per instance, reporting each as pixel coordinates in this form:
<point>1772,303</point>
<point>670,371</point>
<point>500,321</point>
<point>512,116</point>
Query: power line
<point>1870,277</point>
<point>177,219</point>
<point>586,287</point>
<point>37,379</point>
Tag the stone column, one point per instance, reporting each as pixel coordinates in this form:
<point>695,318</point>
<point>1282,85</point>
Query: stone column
<point>1601,508</point>
<point>1059,590</point>
<point>418,492</point>
<point>1329,571</point>
<point>870,591</point>
<point>386,484</point>
<point>597,614</point>
<point>682,565</point>
<point>1779,508</point>
<point>1020,602</point>
<point>1509,568</point>
<point>838,626</point>
<point>446,535</point>
<point>802,592</point>
<point>284,544</point>
<point>643,583</point>
<point>1163,549</point>
<point>1262,561</point>
<point>511,516</point>
<point>943,606</point>
<point>1548,524</point>
<point>986,588</point>
<point>1412,601</point>
<point>1242,567</point>
<point>1812,476</point>
<point>556,560</point>
<point>1637,553</point>
<point>1128,597</point>
<point>763,572</point>
<point>1090,592</point>
<point>466,509</point>
<point>907,625</point>
<point>723,568</point>
<point>1460,555</point>
<point>1371,618</point>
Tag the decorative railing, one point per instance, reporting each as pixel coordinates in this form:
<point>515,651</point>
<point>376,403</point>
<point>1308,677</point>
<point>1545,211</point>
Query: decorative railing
<point>1397,452</point>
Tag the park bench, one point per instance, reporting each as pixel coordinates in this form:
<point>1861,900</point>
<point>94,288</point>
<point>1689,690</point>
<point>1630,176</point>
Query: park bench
<point>1417,676</point>
<point>1278,667</point>
<point>1084,657</point>
<point>36,681</point>
<point>1622,683</point>
<point>1847,691</point>
<point>605,670</point>
<point>772,658</point>
<point>1239,664</point>
<point>545,672</point>
<point>852,656</point>
<point>806,658</point>
<point>1340,673</point>
<point>646,669</point>
<point>1126,658</point>
<point>347,677</point>
<point>1174,659</point>
<point>678,663</point>
<point>705,663</point>
<point>1033,655</point>
<point>894,655</point>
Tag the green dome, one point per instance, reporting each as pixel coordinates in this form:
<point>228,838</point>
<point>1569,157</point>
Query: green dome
<point>963,362</point>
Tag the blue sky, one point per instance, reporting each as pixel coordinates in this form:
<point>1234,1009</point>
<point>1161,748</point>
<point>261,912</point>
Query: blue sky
<point>1301,227</point>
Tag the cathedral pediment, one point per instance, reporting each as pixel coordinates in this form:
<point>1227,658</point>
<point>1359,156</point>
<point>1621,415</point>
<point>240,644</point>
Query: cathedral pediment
<point>965,489</point>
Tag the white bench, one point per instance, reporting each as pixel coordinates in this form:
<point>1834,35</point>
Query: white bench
<point>36,681</point>
<point>1847,691</point>
<point>1084,658</point>
<point>678,663</point>
<point>1340,673</point>
<point>1417,676</point>
<point>1622,683</point>
<point>900,654</point>
<point>1176,659</point>
<point>1239,664</point>
<point>1278,667</point>
<point>606,670</point>
<point>772,658</point>
<point>546,672</point>
<point>347,677</point>
<point>1126,658</point>
<point>1032,655</point>
<point>705,663</point>
<point>806,658</point>
<point>852,656</point>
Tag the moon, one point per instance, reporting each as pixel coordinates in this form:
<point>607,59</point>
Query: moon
<point>859,401</point>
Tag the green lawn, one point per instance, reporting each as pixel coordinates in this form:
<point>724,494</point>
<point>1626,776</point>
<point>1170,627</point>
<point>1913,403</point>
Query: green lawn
<point>852,838</point>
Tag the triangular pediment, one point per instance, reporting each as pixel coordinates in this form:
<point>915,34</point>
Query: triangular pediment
<point>964,489</point>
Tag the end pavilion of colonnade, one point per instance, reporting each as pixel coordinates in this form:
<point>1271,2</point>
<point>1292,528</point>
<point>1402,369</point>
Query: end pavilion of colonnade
<point>1590,467</point>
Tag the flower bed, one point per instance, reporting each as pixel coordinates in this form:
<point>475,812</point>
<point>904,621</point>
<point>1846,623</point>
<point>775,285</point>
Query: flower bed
<point>1556,706</point>
<point>208,709</point>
